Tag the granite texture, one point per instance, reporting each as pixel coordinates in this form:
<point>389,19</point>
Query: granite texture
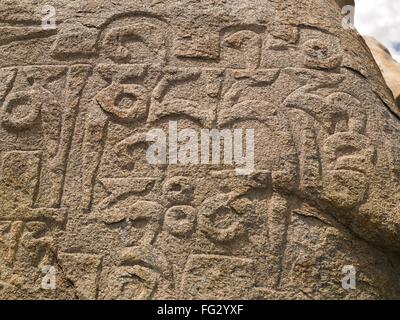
<point>76,191</point>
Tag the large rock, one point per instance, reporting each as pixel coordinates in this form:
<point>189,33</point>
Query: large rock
<point>343,3</point>
<point>390,68</point>
<point>80,201</point>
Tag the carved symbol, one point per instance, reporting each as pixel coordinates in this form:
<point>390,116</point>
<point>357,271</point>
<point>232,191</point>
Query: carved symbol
<point>346,152</point>
<point>131,283</point>
<point>120,187</point>
<point>197,45</point>
<point>233,108</point>
<point>245,44</point>
<point>74,40</point>
<point>243,106</point>
<point>76,81</point>
<point>39,247</point>
<point>200,105</point>
<point>135,43</point>
<point>7,77</point>
<point>148,255</point>
<point>83,270</point>
<point>130,151</point>
<point>10,233</point>
<point>24,240</point>
<point>349,156</point>
<point>180,220</point>
<point>178,190</point>
<point>127,102</point>
<point>218,220</point>
<point>319,56</point>
<point>323,109</point>
<point>26,244</point>
<point>143,219</point>
<point>142,271</point>
<point>13,34</point>
<point>284,36</point>
<point>21,110</point>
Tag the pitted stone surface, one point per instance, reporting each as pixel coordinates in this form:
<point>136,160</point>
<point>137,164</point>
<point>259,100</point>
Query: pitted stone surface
<point>77,193</point>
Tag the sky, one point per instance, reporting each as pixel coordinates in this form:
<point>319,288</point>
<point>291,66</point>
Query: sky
<point>380,19</point>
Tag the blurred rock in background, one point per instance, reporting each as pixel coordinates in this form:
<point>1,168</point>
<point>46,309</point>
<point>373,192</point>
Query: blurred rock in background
<point>389,67</point>
<point>343,3</point>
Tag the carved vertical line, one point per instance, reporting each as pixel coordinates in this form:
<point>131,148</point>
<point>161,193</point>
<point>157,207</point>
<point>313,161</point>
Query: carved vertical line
<point>76,81</point>
<point>93,147</point>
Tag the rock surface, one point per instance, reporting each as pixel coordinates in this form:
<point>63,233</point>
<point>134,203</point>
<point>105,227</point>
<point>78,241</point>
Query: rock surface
<point>79,199</point>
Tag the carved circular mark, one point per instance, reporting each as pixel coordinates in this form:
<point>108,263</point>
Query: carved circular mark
<point>127,102</point>
<point>319,56</point>
<point>21,110</point>
<point>180,220</point>
<point>218,220</point>
<point>178,190</point>
<point>316,49</point>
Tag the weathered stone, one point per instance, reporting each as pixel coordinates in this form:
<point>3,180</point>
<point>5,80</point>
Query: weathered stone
<point>79,196</point>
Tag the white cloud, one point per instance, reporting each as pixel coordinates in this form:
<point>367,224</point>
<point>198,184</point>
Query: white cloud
<point>380,19</point>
